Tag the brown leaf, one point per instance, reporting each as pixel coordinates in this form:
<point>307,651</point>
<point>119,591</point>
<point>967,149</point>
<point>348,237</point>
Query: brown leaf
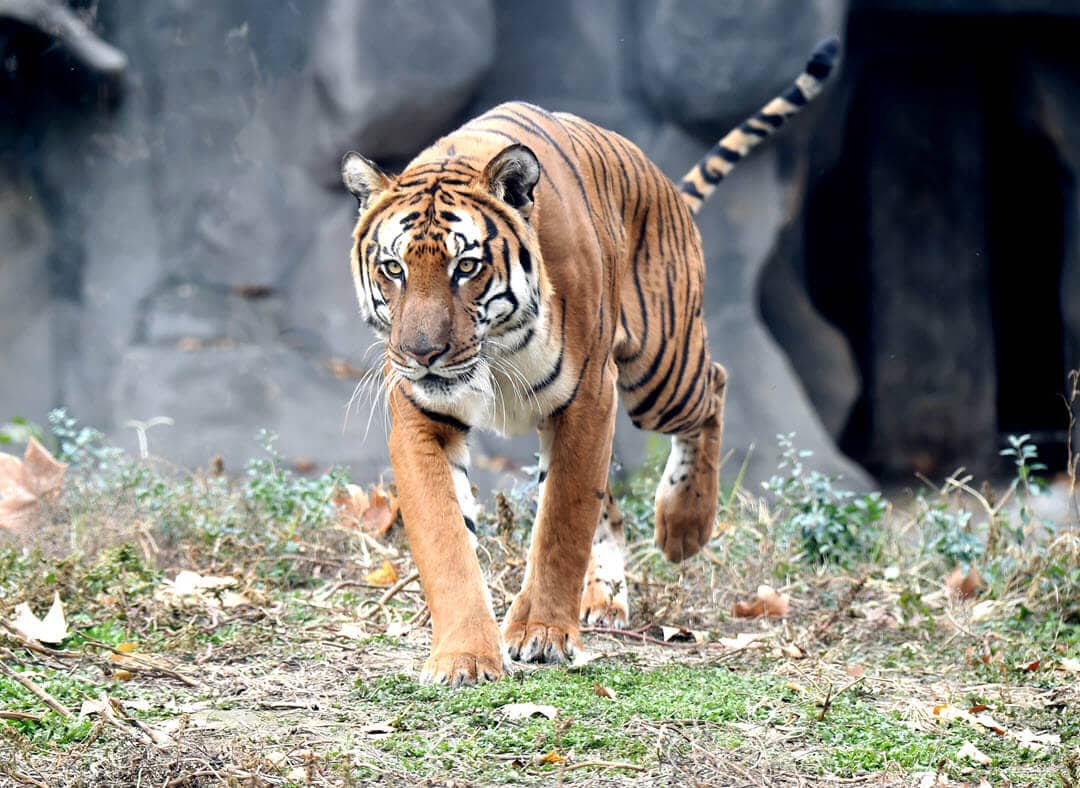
<point>381,513</point>
<point>604,692</point>
<point>374,512</point>
<point>25,483</point>
<point>551,757</point>
<point>42,473</point>
<point>963,585</point>
<point>385,575</point>
<point>1029,667</point>
<point>766,603</point>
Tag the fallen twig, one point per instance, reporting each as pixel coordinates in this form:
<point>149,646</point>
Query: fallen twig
<point>44,696</point>
<point>136,663</point>
<point>19,716</point>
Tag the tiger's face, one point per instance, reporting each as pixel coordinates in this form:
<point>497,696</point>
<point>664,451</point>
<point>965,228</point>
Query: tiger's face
<point>445,265</point>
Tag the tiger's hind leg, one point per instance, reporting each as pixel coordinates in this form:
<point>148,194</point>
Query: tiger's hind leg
<point>686,497</point>
<point>604,598</point>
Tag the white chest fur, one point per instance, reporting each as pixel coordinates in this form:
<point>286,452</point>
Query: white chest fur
<point>520,382</point>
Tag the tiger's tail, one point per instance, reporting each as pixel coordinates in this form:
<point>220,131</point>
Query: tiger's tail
<point>698,184</point>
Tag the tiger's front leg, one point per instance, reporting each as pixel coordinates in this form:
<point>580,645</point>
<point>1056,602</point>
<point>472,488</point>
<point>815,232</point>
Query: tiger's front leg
<point>542,623</point>
<point>465,645</point>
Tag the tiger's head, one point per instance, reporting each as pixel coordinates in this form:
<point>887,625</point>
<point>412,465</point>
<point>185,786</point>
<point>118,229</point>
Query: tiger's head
<point>446,264</point>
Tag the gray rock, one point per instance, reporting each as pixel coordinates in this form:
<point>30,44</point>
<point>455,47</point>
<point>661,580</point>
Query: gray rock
<point>53,19</point>
<point>389,77</point>
<point>321,308</point>
<point>708,65</point>
<point>595,47</point>
<point>819,353</point>
<point>26,333</point>
<point>221,398</point>
<point>186,312</point>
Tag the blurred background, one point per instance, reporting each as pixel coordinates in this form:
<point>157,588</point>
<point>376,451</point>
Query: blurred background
<point>896,279</point>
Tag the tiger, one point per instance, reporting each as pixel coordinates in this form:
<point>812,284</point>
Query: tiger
<point>527,272</point>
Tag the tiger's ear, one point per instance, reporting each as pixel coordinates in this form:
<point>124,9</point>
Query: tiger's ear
<point>363,178</point>
<point>511,176</point>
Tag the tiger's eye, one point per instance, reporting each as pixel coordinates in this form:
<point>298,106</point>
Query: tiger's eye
<point>393,268</point>
<point>466,266</point>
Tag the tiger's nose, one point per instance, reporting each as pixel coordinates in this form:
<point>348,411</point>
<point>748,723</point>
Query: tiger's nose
<point>421,350</point>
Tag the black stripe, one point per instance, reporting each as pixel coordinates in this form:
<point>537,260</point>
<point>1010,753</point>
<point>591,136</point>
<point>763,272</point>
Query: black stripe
<point>771,119</point>
<point>688,187</point>
<point>727,154</point>
<point>442,418</point>
<point>754,131</point>
<point>794,95</point>
<point>469,523</point>
<point>710,177</point>
<point>573,394</point>
<point>554,374</point>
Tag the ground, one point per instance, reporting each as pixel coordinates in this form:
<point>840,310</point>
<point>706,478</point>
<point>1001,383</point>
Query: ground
<point>288,652</point>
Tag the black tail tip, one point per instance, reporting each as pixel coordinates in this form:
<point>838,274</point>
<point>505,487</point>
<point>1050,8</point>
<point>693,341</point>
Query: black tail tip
<point>824,58</point>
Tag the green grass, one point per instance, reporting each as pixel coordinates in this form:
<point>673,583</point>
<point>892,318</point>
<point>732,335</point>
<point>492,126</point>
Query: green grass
<point>462,733</point>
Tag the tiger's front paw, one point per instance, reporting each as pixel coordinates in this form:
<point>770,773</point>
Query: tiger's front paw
<point>461,669</point>
<point>533,635</point>
<point>536,641</point>
<point>468,654</point>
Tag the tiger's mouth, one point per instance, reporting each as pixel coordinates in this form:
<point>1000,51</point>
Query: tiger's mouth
<point>442,382</point>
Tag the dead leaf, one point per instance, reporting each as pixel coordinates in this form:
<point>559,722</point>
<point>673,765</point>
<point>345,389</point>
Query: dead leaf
<point>745,640</point>
<point>1029,667</point>
<point>231,599</point>
<point>793,651</point>
<point>375,512</point>
<point>25,483</point>
<point>42,473</point>
<point>379,730</point>
<point>971,752</point>
<point>1030,740</point>
<point>351,629</point>
<point>551,757</point>
<point>961,585</point>
<point>189,583</point>
<point>381,513</point>
<point>766,603</point>
<point>385,575</point>
<point>52,629</point>
<point>604,692</point>
<point>523,711</point>
<point>1069,665</point>
<point>855,670</point>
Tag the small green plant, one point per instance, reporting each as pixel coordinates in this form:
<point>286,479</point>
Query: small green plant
<point>20,430</point>
<point>949,533</point>
<point>834,526</point>
<point>283,496</point>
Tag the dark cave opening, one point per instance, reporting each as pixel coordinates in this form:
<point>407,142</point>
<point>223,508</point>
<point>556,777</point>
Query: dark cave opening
<point>936,242</point>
